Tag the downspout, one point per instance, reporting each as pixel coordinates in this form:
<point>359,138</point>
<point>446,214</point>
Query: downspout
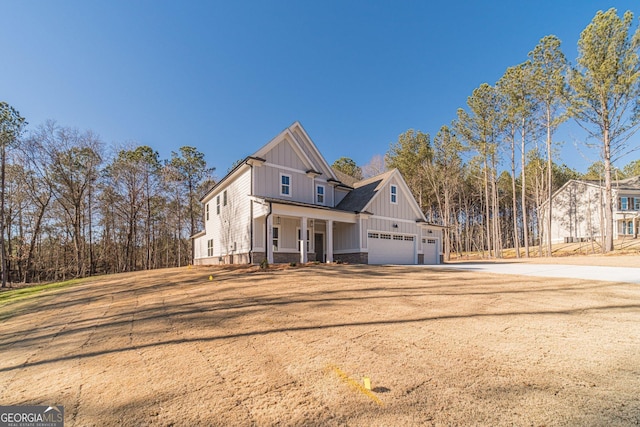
<point>251,219</point>
<point>251,233</point>
<point>266,232</point>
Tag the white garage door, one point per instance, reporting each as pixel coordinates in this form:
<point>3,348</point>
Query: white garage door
<point>386,248</point>
<point>431,253</point>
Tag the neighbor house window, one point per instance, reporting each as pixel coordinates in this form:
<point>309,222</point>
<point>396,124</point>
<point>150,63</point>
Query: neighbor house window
<point>285,185</point>
<point>624,203</point>
<point>224,198</point>
<point>210,247</point>
<point>207,209</point>
<point>218,205</point>
<point>636,203</point>
<point>629,227</point>
<point>394,194</point>
<point>276,238</point>
<point>320,194</point>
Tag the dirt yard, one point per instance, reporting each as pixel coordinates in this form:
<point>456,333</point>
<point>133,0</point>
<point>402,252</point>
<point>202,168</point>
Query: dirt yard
<point>291,347</point>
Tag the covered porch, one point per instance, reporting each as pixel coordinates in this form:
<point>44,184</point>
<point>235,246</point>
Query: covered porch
<point>301,233</point>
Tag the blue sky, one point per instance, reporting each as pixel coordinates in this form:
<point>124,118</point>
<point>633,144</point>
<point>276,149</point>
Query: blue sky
<point>227,76</point>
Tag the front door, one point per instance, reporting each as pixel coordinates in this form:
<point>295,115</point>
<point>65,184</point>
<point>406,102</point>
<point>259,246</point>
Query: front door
<point>319,244</point>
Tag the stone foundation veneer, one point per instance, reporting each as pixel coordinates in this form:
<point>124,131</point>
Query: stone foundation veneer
<point>352,258</point>
<point>281,258</point>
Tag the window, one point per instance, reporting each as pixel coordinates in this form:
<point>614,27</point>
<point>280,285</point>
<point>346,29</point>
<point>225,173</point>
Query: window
<point>307,238</point>
<point>431,241</point>
<point>385,236</point>
<point>320,194</point>
<point>624,203</point>
<point>207,209</point>
<point>210,247</point>
<point>218,205</point>
<point>636,203</point>
<point>285,185</point>
<point>224,198</point>
<point>397,237</point>
<point>276,238</point>
<point>627,227</point>
<point>373,235</point>
<point>408,238</point>
<point>394,194</point>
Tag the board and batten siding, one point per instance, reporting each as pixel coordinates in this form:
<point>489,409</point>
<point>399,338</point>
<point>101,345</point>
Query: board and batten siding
<point>387,214</point>
<point>267,184</point>
<point>381,204</point>
<point>346,238</point>
<point>284,154</point>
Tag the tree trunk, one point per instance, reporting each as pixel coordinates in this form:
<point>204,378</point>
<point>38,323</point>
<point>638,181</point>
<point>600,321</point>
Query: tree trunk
<point>608,202</point>
<point>514,205</point>
<point>549,182</point>
<point>3,256</point>
<point>523,195</point>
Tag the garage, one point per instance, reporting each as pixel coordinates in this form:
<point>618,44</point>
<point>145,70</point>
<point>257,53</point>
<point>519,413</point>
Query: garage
<point>431,253</point>
<point>388,248</point>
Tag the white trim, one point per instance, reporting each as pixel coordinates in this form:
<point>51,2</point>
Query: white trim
<point>386,218</point>
<point>316,194</point>
<point>325,165</point>
<point>286,168</point>
<point>350,251</point>
<point>290,186</point>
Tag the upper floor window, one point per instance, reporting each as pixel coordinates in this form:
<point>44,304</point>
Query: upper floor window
<point>285,185</point>
<point>320,194</point>
<point>218,205</point>
<point>224,198</point>
<point>636,203</point>
<point>394,194</point>
<point>207,210</point>
<point>624,203</point>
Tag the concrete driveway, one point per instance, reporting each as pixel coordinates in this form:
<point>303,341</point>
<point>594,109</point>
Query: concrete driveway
<point>610,274</point>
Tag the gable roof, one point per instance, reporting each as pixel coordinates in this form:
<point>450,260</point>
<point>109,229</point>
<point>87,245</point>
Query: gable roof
<point>344,178</point>
<point>632,183</point>
<point>296,136</point>
<point>363,193</point>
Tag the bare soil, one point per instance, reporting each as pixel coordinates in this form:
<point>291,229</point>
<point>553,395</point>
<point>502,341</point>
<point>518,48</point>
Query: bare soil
<point>291,346</point>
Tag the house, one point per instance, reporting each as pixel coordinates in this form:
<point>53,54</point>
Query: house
<point>578,207</point>
<point>286,204</point>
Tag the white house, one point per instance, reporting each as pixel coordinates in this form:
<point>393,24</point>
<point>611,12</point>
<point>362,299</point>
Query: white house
<point>286,204</point>
<point>578,207</point>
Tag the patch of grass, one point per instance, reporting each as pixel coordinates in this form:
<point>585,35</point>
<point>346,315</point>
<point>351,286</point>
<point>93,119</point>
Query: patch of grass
<point>14,295</point>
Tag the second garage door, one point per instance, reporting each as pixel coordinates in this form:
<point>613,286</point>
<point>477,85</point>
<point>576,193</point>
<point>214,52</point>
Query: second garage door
<point>386,248</point>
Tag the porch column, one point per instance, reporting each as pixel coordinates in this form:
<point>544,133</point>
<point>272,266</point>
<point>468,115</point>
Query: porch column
<point>329,235</point>
<point>268,244</point>
<point>303,240</point>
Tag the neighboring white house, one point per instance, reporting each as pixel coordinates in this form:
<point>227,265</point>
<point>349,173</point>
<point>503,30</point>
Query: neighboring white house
<point>286,204</point>
<point>578,207</point>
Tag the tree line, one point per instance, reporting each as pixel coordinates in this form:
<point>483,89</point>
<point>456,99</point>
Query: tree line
<point>486,175</point>
<point>72,207</point>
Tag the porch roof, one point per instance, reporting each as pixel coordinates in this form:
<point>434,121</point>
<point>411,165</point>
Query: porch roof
<point>302,204</point>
